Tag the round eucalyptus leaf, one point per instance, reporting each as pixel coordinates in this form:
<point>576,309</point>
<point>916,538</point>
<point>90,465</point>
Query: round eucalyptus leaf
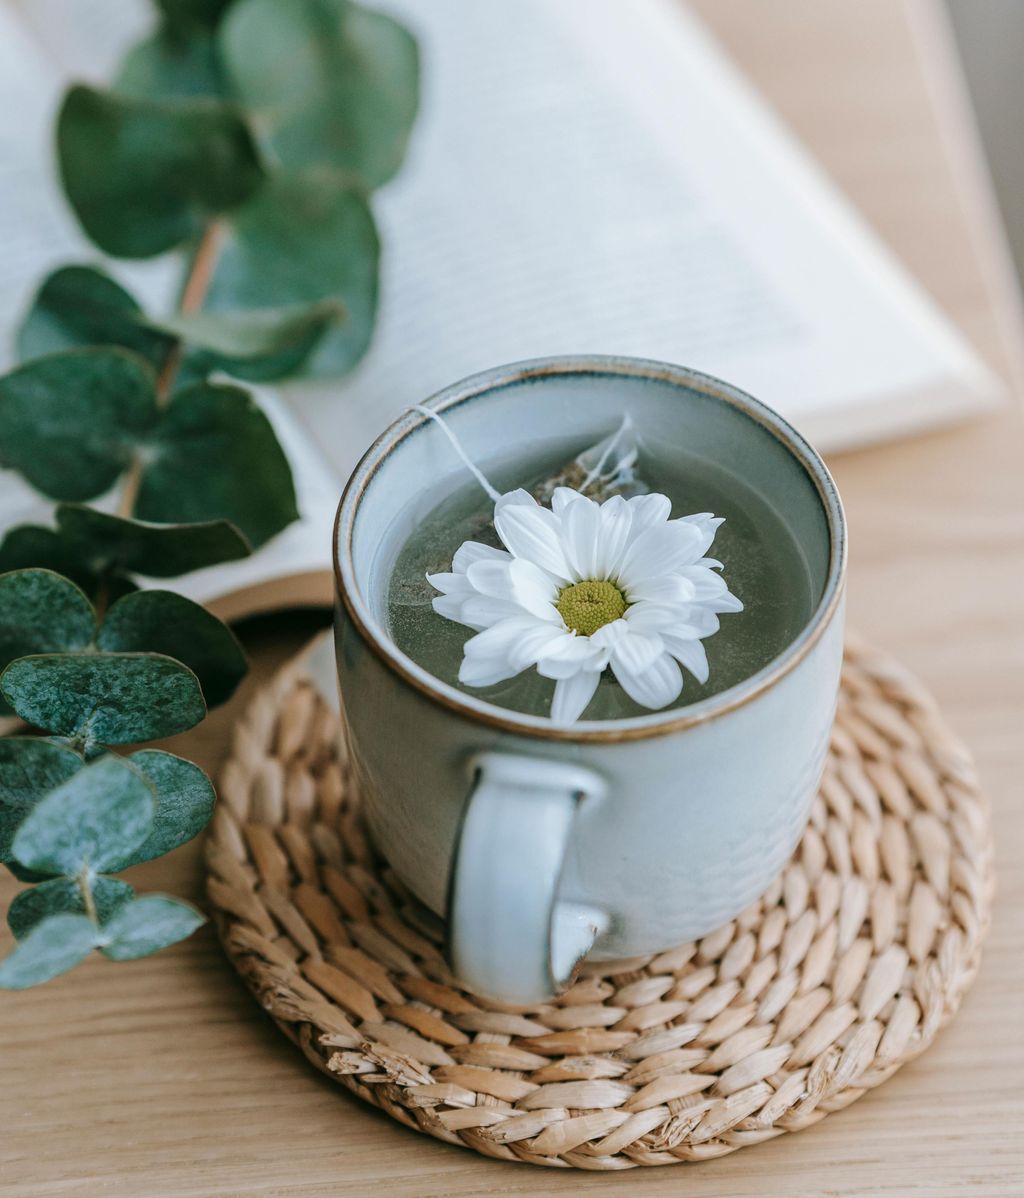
<point>30,767</point>
<point>217,458</point>
<point>71,420</point>
<point>53,946</point>
<point>172,65</point>
<point>157,550</point>
<point>29,546</point>
<point>42,612</point>
<point>146,925</point>
<point>80,306</point>
<point>184,804</point>
<point>304,239</point>
<point>89,822</point>
<point>163,622</point>
<point>61,896</point>
<point>104,698</point>
<point>144,176</point>
<point>258,344</point>
<point>328,81</point>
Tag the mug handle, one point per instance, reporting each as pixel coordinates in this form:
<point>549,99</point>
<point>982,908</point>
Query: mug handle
<point>512,938</point>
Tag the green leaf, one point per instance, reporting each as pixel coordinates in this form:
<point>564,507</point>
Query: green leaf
<point>185,14</point>
<point>41,612</point>
<point>71,419</point>
<point>157,550</point>
<point>94,819</point>
<point>30,768</point>
<point>81,306</point>
<point>172,65</point>
<point>163,622</point>
<point>330,82</point>
<point>258,344</point>
<point>301,240</point>
<point>105,698</point>
<point>52,947</point>
<point>184,804</point>
<point>29,546</point>
<point>216,457</point>
<point>60,896</point>
<point>144,176</point>
<point>147,925</point>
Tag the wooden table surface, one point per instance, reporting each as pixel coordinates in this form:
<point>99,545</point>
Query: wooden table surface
<point>163,1078</point>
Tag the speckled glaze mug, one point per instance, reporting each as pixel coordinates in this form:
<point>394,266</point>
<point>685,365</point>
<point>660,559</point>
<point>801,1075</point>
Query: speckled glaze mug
<point>541,844</point>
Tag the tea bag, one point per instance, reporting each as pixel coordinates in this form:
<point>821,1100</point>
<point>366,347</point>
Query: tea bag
<point>605,469</point>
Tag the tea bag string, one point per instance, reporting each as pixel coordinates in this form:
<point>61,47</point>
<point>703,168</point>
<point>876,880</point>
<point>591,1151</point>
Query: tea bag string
<point>470,465</point>
<point>595,472</point>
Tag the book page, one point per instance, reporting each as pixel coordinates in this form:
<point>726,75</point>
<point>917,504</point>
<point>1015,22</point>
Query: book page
<point>593,176</point>
<point>585,176</point>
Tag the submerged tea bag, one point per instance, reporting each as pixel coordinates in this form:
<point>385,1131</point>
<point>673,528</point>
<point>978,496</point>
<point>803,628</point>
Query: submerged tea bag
<point>605,469</point>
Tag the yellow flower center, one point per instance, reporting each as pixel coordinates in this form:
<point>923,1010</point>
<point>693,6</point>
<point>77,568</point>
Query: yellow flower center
<point>587,606</point>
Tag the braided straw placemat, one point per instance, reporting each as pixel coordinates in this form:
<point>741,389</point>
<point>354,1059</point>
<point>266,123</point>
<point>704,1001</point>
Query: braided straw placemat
<point>843,971</point>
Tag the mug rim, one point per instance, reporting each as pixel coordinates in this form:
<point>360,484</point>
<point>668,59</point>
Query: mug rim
<point>658,723</point>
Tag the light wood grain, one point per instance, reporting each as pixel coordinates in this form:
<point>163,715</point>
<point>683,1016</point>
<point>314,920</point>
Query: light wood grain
<point>162,1078</point>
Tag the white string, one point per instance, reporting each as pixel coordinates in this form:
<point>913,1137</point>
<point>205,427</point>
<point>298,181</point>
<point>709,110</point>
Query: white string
<point>595,473</point>
<point>471,466</point>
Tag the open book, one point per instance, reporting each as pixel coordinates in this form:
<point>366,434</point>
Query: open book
<point>585,176</point>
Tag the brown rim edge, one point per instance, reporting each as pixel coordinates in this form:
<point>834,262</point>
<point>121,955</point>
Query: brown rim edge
<point>611,731</point>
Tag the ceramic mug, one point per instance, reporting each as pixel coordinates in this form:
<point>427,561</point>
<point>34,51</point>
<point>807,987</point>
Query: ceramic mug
<point>540,844</point>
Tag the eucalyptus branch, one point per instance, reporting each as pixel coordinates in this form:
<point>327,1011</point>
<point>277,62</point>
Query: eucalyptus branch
<point>193,292</point>
<point>163,160</point>
<point>85,886</point>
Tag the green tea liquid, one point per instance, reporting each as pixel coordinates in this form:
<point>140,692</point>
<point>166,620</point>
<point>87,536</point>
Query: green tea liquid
<point>764,566</point>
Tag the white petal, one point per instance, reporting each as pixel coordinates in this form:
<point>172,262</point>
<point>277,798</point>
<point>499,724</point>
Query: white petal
<point>608,635</point>
<point>702,618</point>
<point>568,655</point>
<point>664,549</point>
<point>473,551</point>
<point>535,642</point>
<point>516,498</point>
<point>727,602</point>
<point>689,652</point>
<point>646,617</point>
<point>487,657</point>
<point>616,523</point>
<point>451,584</point>
<point>666,588</point>
<point>533,533</point>
<point>491,578</point>
<point>485,671</point>
<point>656,686</point>
<point>481,611</point>
<point>708,526</point>
<point>562,497</point>
<point>581,534</point>
<point>648,510</point>
<point>449,606</point>
<point>572,696</point>
<point>710,588</point>
<point>635,653</point>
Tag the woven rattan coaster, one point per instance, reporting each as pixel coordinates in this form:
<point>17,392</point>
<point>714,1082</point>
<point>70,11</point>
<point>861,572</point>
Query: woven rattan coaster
<point>843,971</point>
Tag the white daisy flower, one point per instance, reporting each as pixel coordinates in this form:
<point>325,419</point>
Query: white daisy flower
<point>583,586</point>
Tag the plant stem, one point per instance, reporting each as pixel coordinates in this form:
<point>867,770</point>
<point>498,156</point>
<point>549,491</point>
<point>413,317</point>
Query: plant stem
<point>87,898</point>
<point>193,292</point>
